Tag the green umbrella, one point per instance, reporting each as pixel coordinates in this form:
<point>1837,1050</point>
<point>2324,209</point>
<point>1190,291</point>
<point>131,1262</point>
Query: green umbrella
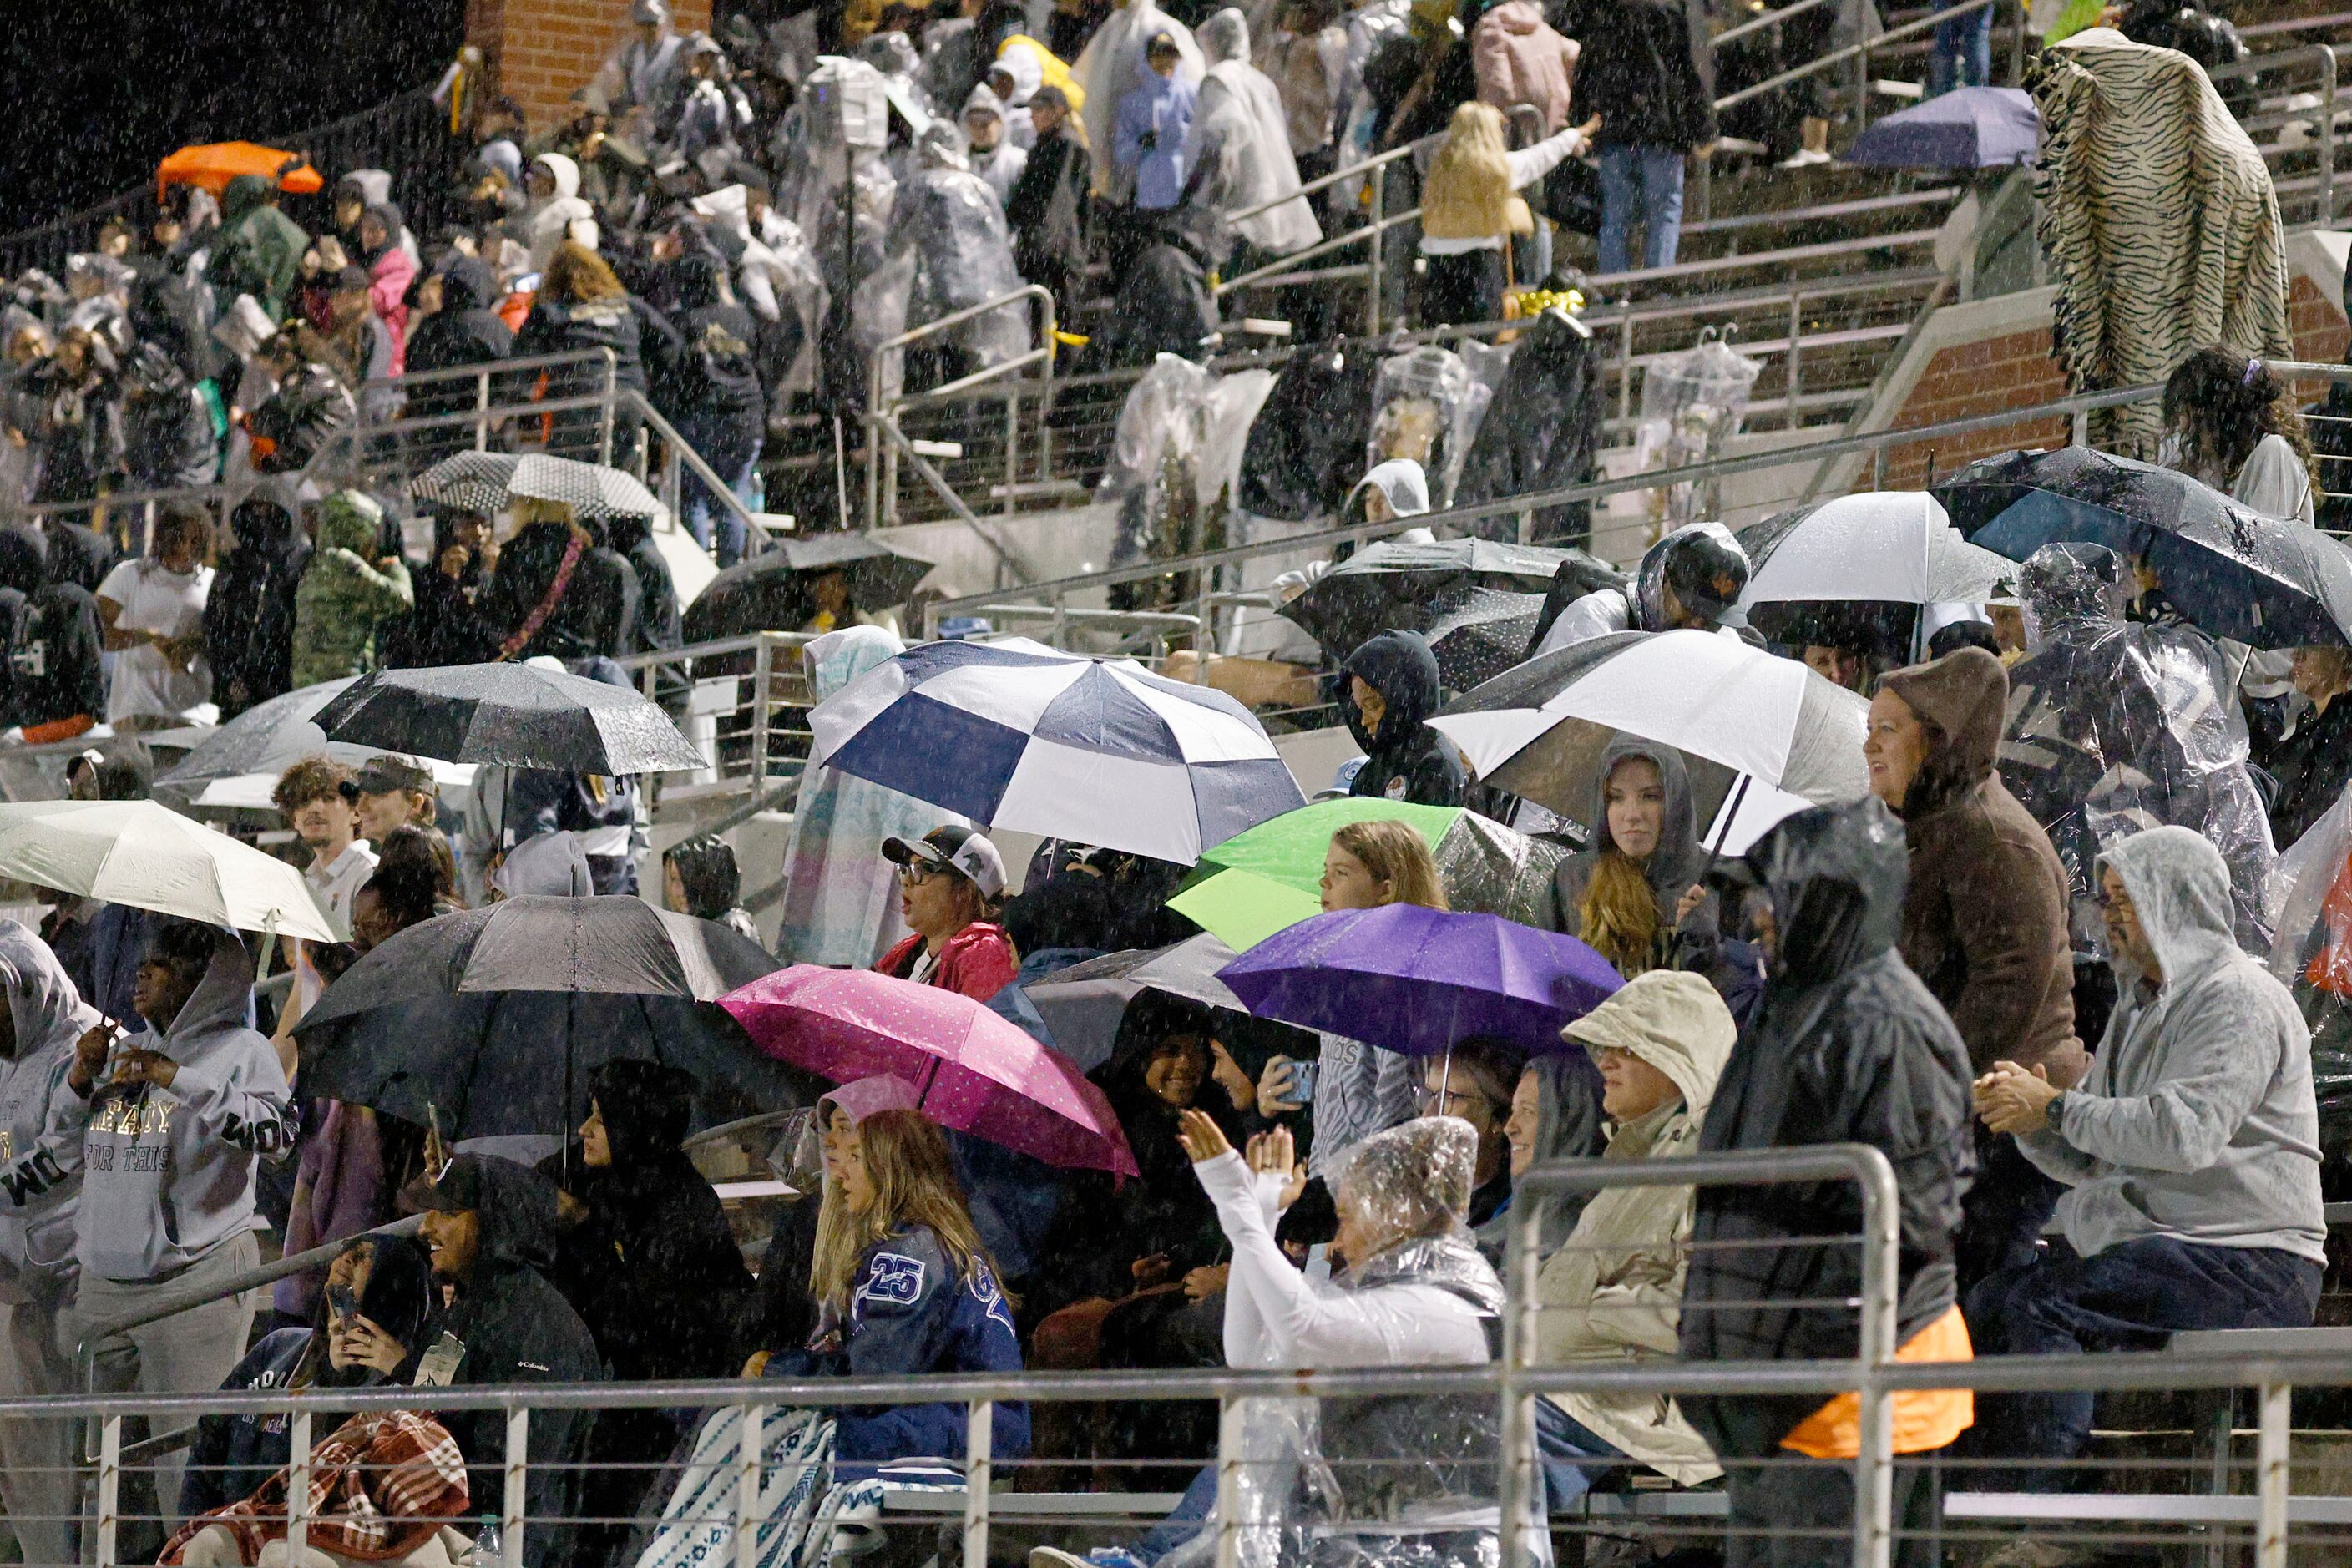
<point>1269,878</point>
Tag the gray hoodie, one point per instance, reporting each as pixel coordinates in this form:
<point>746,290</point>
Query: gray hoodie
<point>168,1173</point>
<point>40,1135</point>
<point>2198,1120</point>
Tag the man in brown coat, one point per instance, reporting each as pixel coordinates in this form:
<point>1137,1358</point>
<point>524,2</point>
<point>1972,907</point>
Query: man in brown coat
<point>1984,919</point>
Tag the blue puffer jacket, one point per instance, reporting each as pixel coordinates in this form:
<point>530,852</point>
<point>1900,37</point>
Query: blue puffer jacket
<point>910,1313</point>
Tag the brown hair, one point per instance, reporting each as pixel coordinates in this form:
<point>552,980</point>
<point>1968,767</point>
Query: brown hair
<point>1618,918</point>
<point>576,274</point>
<point>312,778</point>
<point>914,1182</point>
<point>1395,853</point>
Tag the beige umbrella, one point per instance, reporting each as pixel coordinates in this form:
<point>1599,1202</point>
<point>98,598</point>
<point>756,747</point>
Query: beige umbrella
<point>138,853</point>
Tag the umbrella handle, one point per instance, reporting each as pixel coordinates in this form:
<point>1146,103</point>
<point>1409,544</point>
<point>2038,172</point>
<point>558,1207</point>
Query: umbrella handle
<point>1723,826</point>
<point>268,941</point>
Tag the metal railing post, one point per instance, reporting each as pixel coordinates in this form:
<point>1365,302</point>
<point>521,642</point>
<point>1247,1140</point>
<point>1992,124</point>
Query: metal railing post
<point>298,1483</point>
<point>1229,1487</point>
<point>762,670</point>
<point>747,1489</point>
<point>2272,1476</point>
<point>1796,355</point>
<point>517,1501</point>
<point>1011,448</point>
<point>980,1443</point>
<point>2327,57</point>
<point>1379,278</point>
<point>604,421</point>
<point>1874,1464</point>
<point>109,1490</point>
<point>2016,44</point>
<point>482,411</point>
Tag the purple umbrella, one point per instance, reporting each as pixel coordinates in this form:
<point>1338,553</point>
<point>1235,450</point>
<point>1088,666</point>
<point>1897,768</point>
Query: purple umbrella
<point>1971,128</point>
<point>1423,981</point>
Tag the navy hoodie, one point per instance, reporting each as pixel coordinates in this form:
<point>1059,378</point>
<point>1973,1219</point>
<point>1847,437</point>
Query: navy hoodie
<point>1407,760</point>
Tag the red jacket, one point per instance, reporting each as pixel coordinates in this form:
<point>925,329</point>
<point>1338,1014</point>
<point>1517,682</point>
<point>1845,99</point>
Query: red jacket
<point>977,961</point>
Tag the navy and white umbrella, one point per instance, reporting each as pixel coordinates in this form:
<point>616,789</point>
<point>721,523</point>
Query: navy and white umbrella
<point>1019,736</point>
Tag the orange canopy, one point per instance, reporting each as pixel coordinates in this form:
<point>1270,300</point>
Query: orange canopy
<point>215,165</point>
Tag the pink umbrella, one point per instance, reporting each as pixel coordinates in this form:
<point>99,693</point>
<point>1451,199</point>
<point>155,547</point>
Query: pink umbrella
<point>974,1071</point>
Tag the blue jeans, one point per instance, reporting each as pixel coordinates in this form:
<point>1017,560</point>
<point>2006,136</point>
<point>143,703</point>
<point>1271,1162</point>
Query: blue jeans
<point>1567,1449</point>
<point>1657,173</point>
<point>1184,1522</point>
<point>1962,54</point>
<point>704,515</point>
<point>2131,1297</point>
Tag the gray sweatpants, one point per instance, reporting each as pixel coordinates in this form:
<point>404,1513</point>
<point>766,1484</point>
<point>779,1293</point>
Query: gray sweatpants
<point>191,1353</point>
<point>37,1483</point>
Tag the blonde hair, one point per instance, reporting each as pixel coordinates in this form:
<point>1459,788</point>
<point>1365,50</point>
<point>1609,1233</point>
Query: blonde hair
<point>1467,193</point>
<point>528,509</point>
<point>914,1182</point>
<point>1395,853</point>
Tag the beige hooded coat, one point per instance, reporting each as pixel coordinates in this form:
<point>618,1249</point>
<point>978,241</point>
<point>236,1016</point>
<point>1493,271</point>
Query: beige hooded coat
<point>1613,1290</point>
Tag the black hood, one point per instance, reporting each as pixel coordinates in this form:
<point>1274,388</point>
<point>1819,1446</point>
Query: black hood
<point>24,561</point>
<point>698,281</point>
<point>1836,875</point>
<point>467,284</point>
<point>262,525</point>
<point>517,1205</point>
<point>399,1296</point>
<point>1400,667</point>
<point>646,1107</point>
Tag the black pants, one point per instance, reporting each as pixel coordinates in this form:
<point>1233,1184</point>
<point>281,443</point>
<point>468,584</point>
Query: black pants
<point>2002,1216</point>
<point>1799,1513</point>
<point>1457,290</point>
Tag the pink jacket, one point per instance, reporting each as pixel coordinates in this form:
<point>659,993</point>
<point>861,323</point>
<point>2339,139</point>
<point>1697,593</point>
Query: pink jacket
<point>1518,58</point>
<point>388,282</point>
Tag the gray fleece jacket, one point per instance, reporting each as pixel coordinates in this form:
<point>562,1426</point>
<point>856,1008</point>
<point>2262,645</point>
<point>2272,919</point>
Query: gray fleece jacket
<point>2198,1120</point>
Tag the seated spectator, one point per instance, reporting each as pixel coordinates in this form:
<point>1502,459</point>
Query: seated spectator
<point>1632,894</point>
<point>1612,1292</point>
<point>699,879</point>
<point>1847,1046</point>
<point>151,613</point>
<point>249,613</point>
<point>2191,1153</point>
<point>644,1255</point>
<point>364,1334</point>
<point>903,1287</point>
<point>1475,1082</point>
<point>949,880</point>
<point>349,588</point>
<point>489,1226</point>
<point>1393,687</point>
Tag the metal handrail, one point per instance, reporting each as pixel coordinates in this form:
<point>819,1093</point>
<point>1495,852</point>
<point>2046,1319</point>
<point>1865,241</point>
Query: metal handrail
<point>1851,51</point>
<point>883,421</point>
<point>1757,24</point>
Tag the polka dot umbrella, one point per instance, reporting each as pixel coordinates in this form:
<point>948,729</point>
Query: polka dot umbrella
<point>973,1072</point>
<point>592,490</point>
<point>467,481</point>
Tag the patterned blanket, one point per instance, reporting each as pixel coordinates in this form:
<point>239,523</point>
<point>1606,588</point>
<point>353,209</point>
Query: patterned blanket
<point>379,1487</point>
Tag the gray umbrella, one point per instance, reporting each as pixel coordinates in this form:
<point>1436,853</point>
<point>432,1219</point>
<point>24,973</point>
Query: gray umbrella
<point>1082,1006</point>
<point>491,1020</point>
<point>467,481</point>
<point>515,714</point>
<point>591,490</point>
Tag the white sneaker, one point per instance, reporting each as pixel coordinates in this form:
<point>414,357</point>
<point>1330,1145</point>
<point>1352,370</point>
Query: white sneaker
<point>1804,158</point>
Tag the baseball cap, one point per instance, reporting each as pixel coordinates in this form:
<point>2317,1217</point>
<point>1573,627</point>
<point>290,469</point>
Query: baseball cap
<point>391,770</point>
<point>959,848</point>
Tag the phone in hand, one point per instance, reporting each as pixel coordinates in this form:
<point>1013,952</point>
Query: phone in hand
<point>342,1305</point>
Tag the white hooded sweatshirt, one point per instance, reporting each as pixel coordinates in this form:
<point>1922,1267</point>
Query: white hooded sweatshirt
<point>562,217</point>
<point>40,1135</point>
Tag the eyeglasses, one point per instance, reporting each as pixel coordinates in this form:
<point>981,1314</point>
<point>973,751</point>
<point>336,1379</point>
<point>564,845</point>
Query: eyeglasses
<point>919,872</point>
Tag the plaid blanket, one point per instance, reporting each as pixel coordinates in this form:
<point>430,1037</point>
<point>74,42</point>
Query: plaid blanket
<point>379,1487</point>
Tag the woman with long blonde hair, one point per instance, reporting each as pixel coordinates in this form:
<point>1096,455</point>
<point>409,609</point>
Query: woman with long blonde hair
<point>1470,209</point>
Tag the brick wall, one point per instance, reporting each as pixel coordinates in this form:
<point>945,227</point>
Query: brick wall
<point>2014,370</point>
<point>541,50</point>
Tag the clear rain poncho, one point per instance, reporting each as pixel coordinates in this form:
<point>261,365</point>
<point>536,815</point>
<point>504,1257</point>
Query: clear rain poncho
<point>1692,402</point>
<point>2310,908</point>
<point>949,220</point>
<point>1422,409</point>
<point>845,126</point>
<point>1394,1481</point>
<point>1239,139</point>
<point>2119,725</point>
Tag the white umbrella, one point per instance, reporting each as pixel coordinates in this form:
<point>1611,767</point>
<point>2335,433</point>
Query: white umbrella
<point>1873,555</point>
<point>138,853</point>
<point>1538,730</point>
<point>1019,736</point>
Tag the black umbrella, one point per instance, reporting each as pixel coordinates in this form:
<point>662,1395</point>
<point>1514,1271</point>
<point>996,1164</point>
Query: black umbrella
<point>1481,633</point>
<point>1082,1006</point>
<point>1396,587</point>
<point>489,1021</point>
<point>515,714</point>
<point>770,592</point>
<point>2267,582</point>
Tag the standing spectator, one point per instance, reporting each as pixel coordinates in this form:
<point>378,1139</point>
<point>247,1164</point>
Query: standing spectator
<point>1984,917</point>
<point>1645,70</point>
<point>1049,205</point>
<point>1237,153</point>
<point>711,392</point>
<point>315,795</point>
<point>1471,208</point>
<point>462,329</point>
<point>348,588</point>
<point>1613,1290</point>
<point>259,251</point>
<point>391,269</point>
<point>1962,55</point>
<point>390,792</point>
<point>949,880</point>
<point>557,217</point>
<point>1147,138</point>
<point>581,305</point>
<point>1848,1047</point>
<point>76,418</point>
<point>175,1128</point>
<point>489,1227</point>
<point>2191,1153</point>
<point>699,878</point>
<point>151,611</point>
<point>1519,58</point>
<point>167,424</point>
<point>249,613</point>
<point>56,676</point>
<point>447,626</point>
<point>310,407</point>
<point>1393,687</point>
<point>993,156</point>
<point>659,624</point>
<point>2232,421</point>
<point>557,589</point>
<point>645,68</point>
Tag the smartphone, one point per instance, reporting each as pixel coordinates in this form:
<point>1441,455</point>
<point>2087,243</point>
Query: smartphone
<point>342,1304</point>
<point>1302,1082</point>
